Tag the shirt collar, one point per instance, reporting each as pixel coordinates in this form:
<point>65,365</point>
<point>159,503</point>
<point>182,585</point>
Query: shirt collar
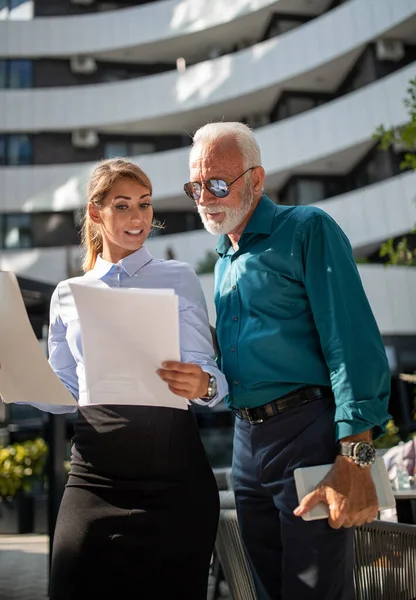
<point>261,221</point>
<point>130,264</point>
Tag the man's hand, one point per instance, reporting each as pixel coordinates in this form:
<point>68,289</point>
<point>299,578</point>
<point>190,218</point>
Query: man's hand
<point>185,379</point>
<point>349,492</point>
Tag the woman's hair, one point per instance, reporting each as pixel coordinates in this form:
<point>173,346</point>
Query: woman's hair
<point>102,179</point>
<point>241,133</point>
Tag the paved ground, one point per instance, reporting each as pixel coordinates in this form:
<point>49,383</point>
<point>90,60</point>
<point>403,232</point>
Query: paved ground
<point>23,567</point>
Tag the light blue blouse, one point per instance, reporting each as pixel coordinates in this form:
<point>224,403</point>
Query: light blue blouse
<point>138,270</point>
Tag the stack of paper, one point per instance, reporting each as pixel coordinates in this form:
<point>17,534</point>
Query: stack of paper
<point>126,335</point>
<point>25,374</point>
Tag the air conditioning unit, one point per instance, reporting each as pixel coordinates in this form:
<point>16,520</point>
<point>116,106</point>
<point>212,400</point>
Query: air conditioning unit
<point>389,50</point>
<point>84,138</point>
<point>83,64</point>
<point>82,2</point>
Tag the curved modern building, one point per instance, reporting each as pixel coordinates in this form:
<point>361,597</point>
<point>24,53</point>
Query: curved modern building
<point>81,80</point>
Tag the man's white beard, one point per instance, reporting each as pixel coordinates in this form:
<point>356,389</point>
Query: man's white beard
<point>234,215</point>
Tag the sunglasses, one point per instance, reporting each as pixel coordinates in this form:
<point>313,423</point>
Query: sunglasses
<point>218,187</point>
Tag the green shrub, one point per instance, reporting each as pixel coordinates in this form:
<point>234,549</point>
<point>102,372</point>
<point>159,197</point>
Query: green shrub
<point>390,438</point>
<point>19,464</point>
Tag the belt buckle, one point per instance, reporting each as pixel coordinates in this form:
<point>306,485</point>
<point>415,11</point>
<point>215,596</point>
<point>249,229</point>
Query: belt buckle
<point>252,421</point>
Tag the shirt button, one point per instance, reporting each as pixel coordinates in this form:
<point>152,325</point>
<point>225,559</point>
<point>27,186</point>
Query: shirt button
<point>235,318</point>
<point>233,349</point>
<point>234,287</point>
<point>236,382</point>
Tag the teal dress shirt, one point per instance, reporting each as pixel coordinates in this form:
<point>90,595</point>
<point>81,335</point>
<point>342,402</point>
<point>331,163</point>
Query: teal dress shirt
<point>292,312</point>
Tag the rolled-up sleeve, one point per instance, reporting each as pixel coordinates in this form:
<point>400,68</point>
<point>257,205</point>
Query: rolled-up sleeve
<point>195,333</point>
<point>60,358</point>
<point>349,336</point>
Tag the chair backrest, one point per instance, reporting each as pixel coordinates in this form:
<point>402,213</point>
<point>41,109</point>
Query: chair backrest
<point>232,557</point>
<point>385,558</point>
<point>231,552</point>
<point>385,561</point>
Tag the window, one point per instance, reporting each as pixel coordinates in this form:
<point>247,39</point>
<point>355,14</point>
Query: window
<point>17,232</point>
<point>15,74</point>
<point>310,191</point>
<point>18,150</point>
<point>302,190</point>
<point>293,105</point>
<point>280,24</point>
<point>20,74</point>
<point>378,165</point>
<point>115,149</point>
<point>20,9</point>
<point>2,149</point>
<point>16,3</point>
<point>138,148</point>
<point>363,73</point>
<point>290,104</point>
<point>2,73</point>
<point>4,9</point>
<point>54,229</point>
<point>286,25</point>
<point>177,222</point>
<point>38,230</point>
<point>126,148</point>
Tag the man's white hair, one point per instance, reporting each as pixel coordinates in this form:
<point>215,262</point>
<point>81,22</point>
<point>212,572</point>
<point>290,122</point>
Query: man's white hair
<point>243,135</point>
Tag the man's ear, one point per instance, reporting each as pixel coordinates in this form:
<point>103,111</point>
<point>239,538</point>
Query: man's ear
<point>258,180</point>
<point>94,212</point>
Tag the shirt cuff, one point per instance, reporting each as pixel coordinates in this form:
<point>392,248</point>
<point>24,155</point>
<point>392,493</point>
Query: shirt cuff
<point>55,409</point>
<point>353,418</point>
<point>222,388</point>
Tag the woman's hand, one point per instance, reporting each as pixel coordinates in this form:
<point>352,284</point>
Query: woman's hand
<point>185,379</point>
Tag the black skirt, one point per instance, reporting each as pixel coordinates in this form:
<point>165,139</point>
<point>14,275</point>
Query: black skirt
<point>139,515</point>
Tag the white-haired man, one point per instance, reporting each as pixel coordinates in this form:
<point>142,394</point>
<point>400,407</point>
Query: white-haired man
<point>307,371</point>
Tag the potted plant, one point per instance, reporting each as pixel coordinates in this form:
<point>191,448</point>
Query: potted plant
<point>20,465</point>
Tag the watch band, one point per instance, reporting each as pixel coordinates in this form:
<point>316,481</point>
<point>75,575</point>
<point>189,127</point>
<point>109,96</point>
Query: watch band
<point>346,448</point>
<point>212,388</point>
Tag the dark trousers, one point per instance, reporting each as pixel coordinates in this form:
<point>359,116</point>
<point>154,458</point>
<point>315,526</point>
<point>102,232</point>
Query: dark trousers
<point>291,559</point>
<point>139,515</point>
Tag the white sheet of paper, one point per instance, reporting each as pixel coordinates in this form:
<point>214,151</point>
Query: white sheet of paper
<point>25,374</point>
<point>126,335</point>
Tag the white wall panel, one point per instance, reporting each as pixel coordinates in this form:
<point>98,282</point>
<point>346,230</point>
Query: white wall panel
<point>286,146</point>
<point>157,23</point>
<point>155,103</point>
<point>376,212</point>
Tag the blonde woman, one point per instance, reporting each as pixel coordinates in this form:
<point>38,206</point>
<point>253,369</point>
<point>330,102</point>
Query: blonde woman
<point>139,514</point>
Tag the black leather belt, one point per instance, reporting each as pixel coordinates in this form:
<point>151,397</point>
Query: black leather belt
<point>276,407</point>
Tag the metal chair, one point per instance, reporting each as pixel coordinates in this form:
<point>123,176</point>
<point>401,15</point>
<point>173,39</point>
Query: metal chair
<point>385,561</point>
<point>230,551</point>
<point>385,558</point>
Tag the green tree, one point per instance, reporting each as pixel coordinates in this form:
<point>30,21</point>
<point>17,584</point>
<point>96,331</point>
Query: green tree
<point>399,253</point>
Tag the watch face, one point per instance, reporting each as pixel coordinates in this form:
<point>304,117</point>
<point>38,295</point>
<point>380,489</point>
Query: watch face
<point>364,453</point>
